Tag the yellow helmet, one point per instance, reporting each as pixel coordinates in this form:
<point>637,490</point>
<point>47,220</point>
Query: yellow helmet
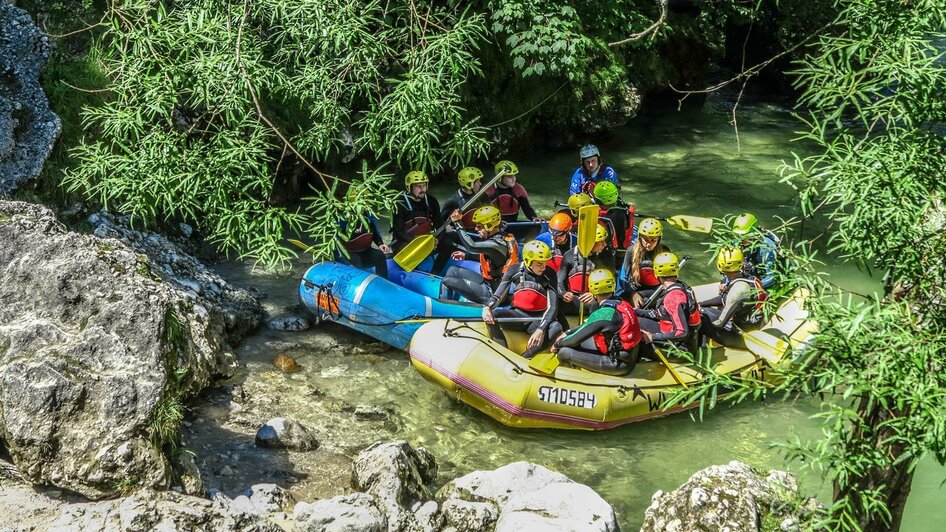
<point>467,176</point>
<point>577,201</point>
<point>487,216</point>
<point>651,228</point>
<point>666,265</point>
<point>601,234</point>
<point>508,167</point>
<point>601,281</point>
<point>535,250</point>
<point>415,177</point>
<point>729,260</point>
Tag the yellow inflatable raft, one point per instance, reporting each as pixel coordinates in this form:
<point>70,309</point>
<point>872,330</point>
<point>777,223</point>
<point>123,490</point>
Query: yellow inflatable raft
<point>461,358</point>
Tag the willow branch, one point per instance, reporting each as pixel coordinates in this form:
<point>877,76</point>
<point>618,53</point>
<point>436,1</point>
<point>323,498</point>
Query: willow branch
<point>650,29</point>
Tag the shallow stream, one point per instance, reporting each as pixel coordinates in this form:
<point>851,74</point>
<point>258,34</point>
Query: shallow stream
<point>354,391</point>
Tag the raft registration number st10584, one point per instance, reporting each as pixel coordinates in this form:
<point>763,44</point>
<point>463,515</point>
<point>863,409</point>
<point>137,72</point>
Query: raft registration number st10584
<point>563,396</point>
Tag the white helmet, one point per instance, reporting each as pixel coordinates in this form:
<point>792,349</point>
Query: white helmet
<point>589,150</point>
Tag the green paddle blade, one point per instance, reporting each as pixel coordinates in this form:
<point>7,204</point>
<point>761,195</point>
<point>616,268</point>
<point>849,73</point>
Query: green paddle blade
<point>415,252</point>
<point>696,224</point>
<point>544,363</point>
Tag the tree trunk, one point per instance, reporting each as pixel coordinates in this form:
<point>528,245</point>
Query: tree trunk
<point>893,479</point>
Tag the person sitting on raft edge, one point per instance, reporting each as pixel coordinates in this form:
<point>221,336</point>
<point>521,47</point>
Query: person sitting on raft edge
<point>610,340</point>
<point>497,253</point>
<point>614,218</point>
<point>364,232</point>
<point>417,212</point>
<point>470,180</point>
<point>760,247</point>
<point>677,318</point>
<point>574,268</point>
<point>534,297</point>
<point>591,172</point>
<point>738,307</point>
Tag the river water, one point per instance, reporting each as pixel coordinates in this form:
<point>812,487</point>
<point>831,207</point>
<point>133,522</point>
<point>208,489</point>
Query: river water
<point>353,391</point>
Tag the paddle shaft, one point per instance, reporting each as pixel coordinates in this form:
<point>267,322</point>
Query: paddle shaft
<point>497,320</point>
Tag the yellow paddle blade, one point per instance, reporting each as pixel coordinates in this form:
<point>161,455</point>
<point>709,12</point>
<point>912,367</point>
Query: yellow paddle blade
<point>415,252</point>
<point>587,224</point>
<point>299,244</point>
<point>544,363</point>
<point>673,372</point>
<point>766,346</point>
<point>697,224</point>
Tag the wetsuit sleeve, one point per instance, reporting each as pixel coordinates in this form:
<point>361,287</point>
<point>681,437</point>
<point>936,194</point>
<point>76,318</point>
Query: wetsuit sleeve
<point>452,204</point>
<point>523,198</point>
<point>398,221</point>
<point>675,303</point>
<point>551,313</point>
<point>499,295</point>
<point>577,178</point>
<point>375,230</point>
<point>562,276</point>
<point>737,297</point>
<point>435,214</point>
<point>602,322</point>
<point>494,250</point>
<point>712,302</point>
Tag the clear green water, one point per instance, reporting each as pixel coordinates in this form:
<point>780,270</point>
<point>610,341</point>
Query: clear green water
<point>669,163</point>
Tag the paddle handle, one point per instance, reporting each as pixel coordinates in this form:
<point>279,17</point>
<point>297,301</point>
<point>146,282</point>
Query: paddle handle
<point>476,196</point>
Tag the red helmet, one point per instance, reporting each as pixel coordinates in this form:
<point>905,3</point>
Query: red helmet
<point>561,222</point>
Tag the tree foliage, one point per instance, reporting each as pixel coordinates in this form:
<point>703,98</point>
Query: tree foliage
<point>871,98</point>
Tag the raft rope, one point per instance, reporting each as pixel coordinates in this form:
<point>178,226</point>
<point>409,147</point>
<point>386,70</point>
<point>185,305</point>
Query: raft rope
<point>328,314</point>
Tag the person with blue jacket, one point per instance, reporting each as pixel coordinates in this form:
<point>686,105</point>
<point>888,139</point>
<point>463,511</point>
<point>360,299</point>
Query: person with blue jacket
<point>760,247</point>
<point>591,172</point>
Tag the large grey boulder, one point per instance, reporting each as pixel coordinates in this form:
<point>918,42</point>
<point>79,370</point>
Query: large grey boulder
<point>356,512</point>
<point>523,496</point>
<point>96,355</point>
<point>398,476</point>
<point>731,497</point>
<point>28,128</point>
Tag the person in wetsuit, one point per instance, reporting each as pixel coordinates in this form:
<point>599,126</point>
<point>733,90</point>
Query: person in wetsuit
<point>575,203</point>
<point>496,251</point>
<point>534,297</point>
<point>417,212</point>
<point>558,238</point>
<point>610,215</point>
<point>509,196</point>
<point>609,341</point>
<point>363,233</point>
<point>470,180</point>
<point>738,307</point>
<point>638,264</point>
<point>676,320</point>
<point>760,248</point>
<point>574,268</point>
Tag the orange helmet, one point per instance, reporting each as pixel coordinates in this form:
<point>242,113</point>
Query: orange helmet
<point>561,222</point>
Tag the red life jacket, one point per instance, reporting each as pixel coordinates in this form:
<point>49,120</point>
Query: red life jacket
<point>359,242</point>
<point>629,334</point>
<point>529,296</point>
<point>692,308</point>
<point>555,262</point>
<point>511,259</point>
<point>467,220</point>
<point>576,276</point>
<point>421,221</point>
<point>648,278</point>
<point>505,200</point>
<point>608,224</point>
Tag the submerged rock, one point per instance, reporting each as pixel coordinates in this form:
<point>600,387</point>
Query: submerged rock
<point>96,356</point>
<point>730,497</point>
<point>523,496</point>
<point>283,433</point>
<point>286,363</point>
<point>289,323</point>
<point>28,128</point>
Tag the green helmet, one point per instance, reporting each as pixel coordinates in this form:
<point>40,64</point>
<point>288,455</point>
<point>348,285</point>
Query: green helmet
<point>606,193</point>
<point>744,223</point>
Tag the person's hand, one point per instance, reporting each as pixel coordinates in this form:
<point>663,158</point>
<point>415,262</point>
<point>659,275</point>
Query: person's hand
<point>456,215</point>
<point>458,255</point>
<point>385,248</point>
<point>538,219</point>
<point>637,300</point>
<point>488,316</point>
<point>587,298</point>
<point>536,338</point>
<point>648,337</point>
<point>568,297</point>
<point>554,349</point>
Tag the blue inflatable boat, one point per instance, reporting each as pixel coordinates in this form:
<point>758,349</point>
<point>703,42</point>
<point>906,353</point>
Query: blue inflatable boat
<point>371,305</point>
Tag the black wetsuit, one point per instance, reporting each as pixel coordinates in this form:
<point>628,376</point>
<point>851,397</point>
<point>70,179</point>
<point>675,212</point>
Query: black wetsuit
<point>493,252</point>
<point>593,345</point>
<point>574,264</point>
<point>531,291</point>
<point>408,220</point>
